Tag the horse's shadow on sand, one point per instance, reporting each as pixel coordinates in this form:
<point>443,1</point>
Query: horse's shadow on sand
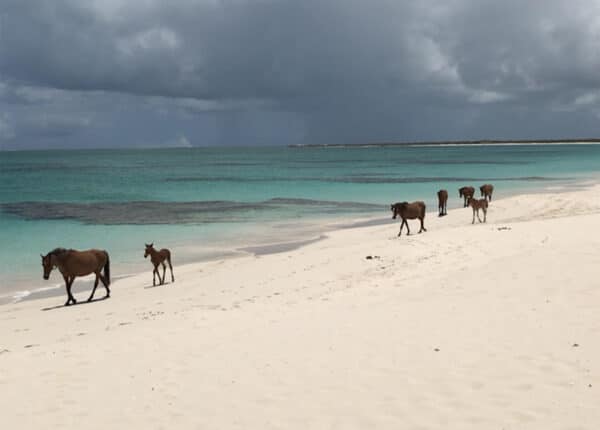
<point>159,285</point>
<point>85,302</point>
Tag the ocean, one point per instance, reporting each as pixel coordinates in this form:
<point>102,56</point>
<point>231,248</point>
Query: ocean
<point>207,203</point>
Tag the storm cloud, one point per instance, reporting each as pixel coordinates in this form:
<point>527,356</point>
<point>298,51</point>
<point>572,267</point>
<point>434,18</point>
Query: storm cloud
<point>238,72</point>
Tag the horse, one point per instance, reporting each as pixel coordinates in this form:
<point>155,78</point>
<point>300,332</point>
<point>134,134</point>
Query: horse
<point>476,205</point>
<point>442,200</point>
<point>72,263</point>
<point>486,191</point>
<point>467,193</point>
<point>159,257</point>
<point>406,211</point>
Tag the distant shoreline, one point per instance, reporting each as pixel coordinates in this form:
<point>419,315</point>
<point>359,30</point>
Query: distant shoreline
<point>451,143</point>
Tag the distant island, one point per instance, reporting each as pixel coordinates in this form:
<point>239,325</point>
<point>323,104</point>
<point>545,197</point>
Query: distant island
<point>447,142</point>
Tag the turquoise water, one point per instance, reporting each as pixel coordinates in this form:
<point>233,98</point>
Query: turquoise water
<point>205,201</point>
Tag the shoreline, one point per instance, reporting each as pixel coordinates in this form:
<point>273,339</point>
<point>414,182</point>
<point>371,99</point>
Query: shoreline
<point>320,230</point>
<point>85,284</point>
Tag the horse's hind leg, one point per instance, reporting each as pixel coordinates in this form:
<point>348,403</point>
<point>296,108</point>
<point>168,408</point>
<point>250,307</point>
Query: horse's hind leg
<point>422,225</point>
<point>171,268</point>
<point>485,215</point>
<point>94,289</point>
<point>105,283</point>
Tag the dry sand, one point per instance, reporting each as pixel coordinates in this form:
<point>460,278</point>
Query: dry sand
<point>487,326</point>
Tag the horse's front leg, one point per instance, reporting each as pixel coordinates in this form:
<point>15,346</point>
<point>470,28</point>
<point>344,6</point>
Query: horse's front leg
<point>478,215</point>
<point>67,279</point>
<point>70,298</point>
<point>164,270</point>
<point>401,225</point>
<point>485,215</point>
<point>154,277</point>
<point>473,222</point>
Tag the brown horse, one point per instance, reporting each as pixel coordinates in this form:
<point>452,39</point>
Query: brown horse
<point>442,200</point>
<point>467,193</point>
<point>486,191</point>
<point>406,211</point>
<point>159,257</point>
<point>72,263</point>
<point>476,205</point>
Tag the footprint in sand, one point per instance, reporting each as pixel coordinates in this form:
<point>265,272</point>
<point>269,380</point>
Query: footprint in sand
<point>31,345</point>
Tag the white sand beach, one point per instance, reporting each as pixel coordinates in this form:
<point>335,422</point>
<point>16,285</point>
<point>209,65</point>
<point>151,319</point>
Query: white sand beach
<point>485,326</point>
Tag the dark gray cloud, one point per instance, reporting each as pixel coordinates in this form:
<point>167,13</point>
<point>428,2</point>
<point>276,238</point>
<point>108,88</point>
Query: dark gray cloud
<point>205,72</point>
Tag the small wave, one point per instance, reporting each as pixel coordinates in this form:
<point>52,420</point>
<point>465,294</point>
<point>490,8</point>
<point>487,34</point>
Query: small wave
<point>18,296</point>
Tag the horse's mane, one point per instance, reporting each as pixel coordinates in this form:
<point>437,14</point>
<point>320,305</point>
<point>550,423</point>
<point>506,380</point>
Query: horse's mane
<point>58,251</point>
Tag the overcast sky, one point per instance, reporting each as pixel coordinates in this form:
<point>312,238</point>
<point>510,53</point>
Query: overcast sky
<point>149,73</point>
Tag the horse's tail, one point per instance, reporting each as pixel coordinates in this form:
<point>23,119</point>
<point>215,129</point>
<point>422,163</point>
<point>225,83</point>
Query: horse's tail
<point>107,268</point>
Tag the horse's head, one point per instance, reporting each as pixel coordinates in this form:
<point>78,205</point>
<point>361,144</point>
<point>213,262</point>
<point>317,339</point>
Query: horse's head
<point>47,265</point>
<point>460,192</point>
<point>397,207</point>
<point>148,249</point>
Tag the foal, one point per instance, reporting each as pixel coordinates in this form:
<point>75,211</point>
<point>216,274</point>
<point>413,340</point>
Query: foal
<point>159,257</point>
<point>476,205</point>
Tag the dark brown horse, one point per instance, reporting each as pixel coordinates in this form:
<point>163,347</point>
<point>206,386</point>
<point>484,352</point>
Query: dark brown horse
<point>486,191</point>
<point>72,263</point>
<point>442,200</point>
<point>159,257</point>
<point>406,211</point>
<point>466,193</point>
<point>476,205</point>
